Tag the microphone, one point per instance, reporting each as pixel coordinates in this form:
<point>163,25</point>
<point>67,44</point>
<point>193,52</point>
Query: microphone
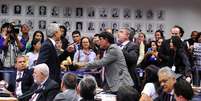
<point>39,90</point>
<point>30,93</point>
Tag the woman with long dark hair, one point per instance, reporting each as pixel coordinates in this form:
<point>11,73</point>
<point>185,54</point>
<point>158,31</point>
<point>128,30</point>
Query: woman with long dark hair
<point>38,35</point>
<point>150,83</point>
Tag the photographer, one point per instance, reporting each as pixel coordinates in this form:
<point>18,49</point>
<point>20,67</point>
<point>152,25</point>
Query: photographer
<point>10,45</point>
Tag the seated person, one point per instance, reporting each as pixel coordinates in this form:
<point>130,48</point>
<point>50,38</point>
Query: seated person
<point>183,90</point>
<point>68,85</point>
<point>44,88</point>
<point>87,88</point>
<point>128,93</point>
<point>3,89</point>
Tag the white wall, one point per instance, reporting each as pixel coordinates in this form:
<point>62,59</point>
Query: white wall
<point>180,12</point>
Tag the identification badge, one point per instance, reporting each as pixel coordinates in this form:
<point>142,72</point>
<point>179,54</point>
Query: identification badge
<point>173,68</point>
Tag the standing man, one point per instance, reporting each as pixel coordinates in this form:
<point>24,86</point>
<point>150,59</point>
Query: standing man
<point>76,39</point>
<point>115,72</point>
<point>172,53</point>
<point>130,51</point>
<point>48,52</point>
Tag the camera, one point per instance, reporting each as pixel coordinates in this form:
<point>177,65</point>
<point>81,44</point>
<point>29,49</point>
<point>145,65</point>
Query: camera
<point>13,30</point>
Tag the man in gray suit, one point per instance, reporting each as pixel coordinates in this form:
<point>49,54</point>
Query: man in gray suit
<point>115,69</point>
<point>68,85</point>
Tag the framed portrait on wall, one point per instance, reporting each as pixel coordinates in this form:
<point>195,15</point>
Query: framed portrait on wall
<point>53,21</point>
<point>79,26</point>
<point>67,12</point>
<point>4,9</point>
<point>42,24</point>
<point>91,26</point>
<point>17,9</point>
<point>30,9</point>
<point>115,27</point>
<point>138,14</point>
<point>115,12</point>
<point>150,28</point>
<point>126,13</point>
<point>160,14</point>
<point>161,27</point>
<point>149,14</point>
<point>55,11</point>
<point>126,25</point>
<point>103,12</point>
<point>3,21</point>
<point>42,10</point>
<point>103,26</point>
<point>68,25</point>
<point>79,12</point>
<point>91,12</point>
<point>138,27</point>
<point>30,23</point>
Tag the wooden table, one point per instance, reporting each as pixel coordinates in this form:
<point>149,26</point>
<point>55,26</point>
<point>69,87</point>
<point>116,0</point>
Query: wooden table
<point>8,99</point>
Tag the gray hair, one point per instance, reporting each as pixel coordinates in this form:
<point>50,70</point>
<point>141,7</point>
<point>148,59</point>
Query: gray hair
<point>52,28</point>
<point>43,68</point>
<point>166,70</point>
<point>127,29</point>
<point>88,87</point>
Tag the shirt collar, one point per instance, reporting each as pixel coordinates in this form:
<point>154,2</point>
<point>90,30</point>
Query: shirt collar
<point>53,42</point>
<point>42,83</point>
<point>125,42</point>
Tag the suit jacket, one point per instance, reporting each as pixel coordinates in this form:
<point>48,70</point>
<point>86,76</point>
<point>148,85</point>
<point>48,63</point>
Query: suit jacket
<point>48,55</point>
<point>69,95</point>
<point>130,51</point>
<point>116,72</point>
<point>26,81</point>
<point>49,90</point>
<point>164,97</point>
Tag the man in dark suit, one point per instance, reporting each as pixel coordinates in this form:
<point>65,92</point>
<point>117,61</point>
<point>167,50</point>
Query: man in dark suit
<point>48,52</point>
<point>130,51</point>
<point>43,89</point>
<point>68,86</point>
<point>22,76</point>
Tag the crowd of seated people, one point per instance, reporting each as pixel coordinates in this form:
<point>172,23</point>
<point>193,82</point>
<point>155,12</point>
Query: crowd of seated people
<point>33,67</point>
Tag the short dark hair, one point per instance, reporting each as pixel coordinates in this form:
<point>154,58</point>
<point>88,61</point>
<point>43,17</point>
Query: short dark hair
<point>180,29</point>
<point>108,36</point>
<point>96,35</point>
<point>183,88</point>
<point>76,32</point>
<point>128,93</point>
<point>70,80</point>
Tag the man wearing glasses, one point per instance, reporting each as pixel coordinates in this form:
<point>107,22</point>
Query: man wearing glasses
<point>167,79</point>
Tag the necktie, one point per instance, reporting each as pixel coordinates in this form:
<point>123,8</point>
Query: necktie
<point>19,75</point>
<point>35,95</point>
<point>169,97</point>
<point>103,70</point>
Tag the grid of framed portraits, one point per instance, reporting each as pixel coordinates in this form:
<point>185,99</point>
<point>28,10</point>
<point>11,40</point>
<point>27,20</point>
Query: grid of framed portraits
<point>85,19</point>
